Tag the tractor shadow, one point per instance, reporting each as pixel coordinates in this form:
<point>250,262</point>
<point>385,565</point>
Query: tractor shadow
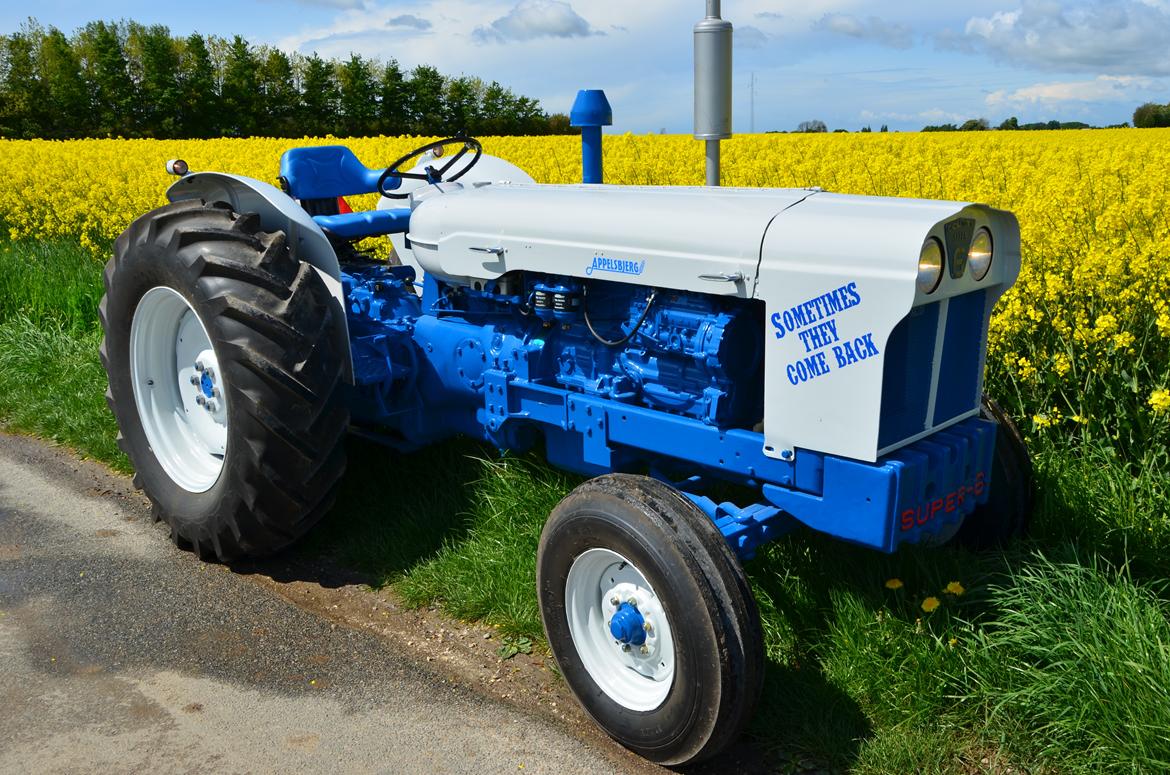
<point>392,512</point>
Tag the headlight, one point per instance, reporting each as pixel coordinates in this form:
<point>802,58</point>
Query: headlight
<point>980,254</point>
<point>930,265</point>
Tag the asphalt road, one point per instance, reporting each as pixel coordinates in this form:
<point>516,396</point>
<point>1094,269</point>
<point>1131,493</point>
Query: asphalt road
<point>120,653</point>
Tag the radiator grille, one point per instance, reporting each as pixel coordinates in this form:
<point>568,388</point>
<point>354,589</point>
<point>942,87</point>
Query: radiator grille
<point>909,377</point>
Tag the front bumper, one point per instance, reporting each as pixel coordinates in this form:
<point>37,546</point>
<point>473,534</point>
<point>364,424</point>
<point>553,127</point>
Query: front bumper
<point>919,493</point>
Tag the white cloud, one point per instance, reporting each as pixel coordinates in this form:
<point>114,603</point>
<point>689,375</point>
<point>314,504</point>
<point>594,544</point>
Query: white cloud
<point>870,29</point>
<point>1114,37</point>
<point>747,36</point>
<point>409,20</point>
<point>931,115</point>
<point>536,19</point>
<point>1103,88</point>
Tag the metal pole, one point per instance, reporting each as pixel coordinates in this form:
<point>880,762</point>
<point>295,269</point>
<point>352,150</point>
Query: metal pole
<point>712,85</point>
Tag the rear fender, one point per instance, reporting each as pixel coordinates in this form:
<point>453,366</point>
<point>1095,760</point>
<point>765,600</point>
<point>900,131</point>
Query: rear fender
<point>278,212</point>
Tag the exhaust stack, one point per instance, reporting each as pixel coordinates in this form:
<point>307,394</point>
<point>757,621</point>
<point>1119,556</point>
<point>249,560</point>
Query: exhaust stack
<point>713,85</point>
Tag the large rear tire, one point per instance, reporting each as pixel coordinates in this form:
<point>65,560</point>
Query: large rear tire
<point>224,358</point>
<point>650,618</point>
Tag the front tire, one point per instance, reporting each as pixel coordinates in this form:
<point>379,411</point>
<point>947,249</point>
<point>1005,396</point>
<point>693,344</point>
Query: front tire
<point>1008,510</point>
<point>650,618</point>
<point>224,358</point>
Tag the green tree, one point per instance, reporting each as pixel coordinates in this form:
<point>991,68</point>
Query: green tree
<point>241,90</point>
<point>68,99</point>
<point>1151,115</point>
<point>394,102</point>
<point>113,95</point>
<point>426,100</point>
<point>22,96</point>
<point>1010,125</point>
<point>159,85</point>
<point>199,114</point>
<point>319,98</point>
<point>461,105</point>
<point>494,110</point>
<point>280,95</point>
<point>357,97</point>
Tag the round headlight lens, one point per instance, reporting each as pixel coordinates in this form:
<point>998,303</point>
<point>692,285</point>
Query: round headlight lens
<point>930,265</point>
<point>981,252</point>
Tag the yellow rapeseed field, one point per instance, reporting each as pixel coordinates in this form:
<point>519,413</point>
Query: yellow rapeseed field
<point>1081,342</point>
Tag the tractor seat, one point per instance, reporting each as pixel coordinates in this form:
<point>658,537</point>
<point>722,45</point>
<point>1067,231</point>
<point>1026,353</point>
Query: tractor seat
<point>319,175</point>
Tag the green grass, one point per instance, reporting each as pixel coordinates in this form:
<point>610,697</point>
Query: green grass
<point>1056,658</point>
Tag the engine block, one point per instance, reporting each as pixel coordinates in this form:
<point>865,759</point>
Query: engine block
<point>674,351</point>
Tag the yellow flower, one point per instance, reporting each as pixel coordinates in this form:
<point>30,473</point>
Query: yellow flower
<point>1163,323</point>
<point>929,604</point>
<point>893,583</point>
<point>1160,400</point>
<point>953,642</point>
<point>955,588</point>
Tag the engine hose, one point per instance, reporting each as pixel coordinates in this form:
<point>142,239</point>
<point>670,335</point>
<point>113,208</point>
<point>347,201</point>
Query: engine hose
<point>634,330</point>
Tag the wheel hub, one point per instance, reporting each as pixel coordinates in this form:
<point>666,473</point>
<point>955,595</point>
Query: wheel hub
<point>620,629</point>
<point>627,625</point>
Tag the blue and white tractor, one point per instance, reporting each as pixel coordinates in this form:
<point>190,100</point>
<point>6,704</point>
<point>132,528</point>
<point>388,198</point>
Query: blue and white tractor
<point>822,353</point>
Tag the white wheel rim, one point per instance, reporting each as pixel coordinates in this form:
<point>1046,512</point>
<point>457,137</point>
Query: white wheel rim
<point>179,390</point>
<point>638,677</point>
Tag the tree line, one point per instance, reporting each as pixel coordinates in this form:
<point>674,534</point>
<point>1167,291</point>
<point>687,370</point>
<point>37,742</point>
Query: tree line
<point>125,79</point>
<point>1151,115</point>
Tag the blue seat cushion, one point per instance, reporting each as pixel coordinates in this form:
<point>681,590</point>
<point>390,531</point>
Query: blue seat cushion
<point>327,172</point>
<point>366,224</point>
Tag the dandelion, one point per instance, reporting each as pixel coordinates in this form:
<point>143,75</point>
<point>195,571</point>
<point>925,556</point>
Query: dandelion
<point>955,588</point>
<point>930,604</point>
<point>893,583</point>
<point>953,642</point>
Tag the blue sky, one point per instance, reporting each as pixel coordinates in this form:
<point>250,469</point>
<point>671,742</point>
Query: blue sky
<point>847,63</point>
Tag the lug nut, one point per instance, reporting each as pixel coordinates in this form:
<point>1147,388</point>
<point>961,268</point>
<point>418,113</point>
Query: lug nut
<point>211,406</point>
<point>625,647</point>
<point>615,601</point>
<point>646,626</point>
<point>194,379</point>
<point>199,366</point>
<point>216,393</point>
<point>210,372</point>
<point>645,650</point>
<point>633,601</point>
<point>201,400</point>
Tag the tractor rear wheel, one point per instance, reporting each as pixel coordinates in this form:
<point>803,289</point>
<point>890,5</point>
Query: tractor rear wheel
<point>224,358</point>
<point>650,618</point>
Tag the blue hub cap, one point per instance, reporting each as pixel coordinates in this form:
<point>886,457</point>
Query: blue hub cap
<point>627,625</point>
<point>206,385</point>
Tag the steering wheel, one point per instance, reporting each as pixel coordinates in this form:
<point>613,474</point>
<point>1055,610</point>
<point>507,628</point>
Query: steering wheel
<point>432,175</point>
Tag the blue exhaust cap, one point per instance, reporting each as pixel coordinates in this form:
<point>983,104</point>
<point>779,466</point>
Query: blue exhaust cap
<point>591,111</point>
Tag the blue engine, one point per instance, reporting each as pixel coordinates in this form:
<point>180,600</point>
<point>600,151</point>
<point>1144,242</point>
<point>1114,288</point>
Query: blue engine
<point>682,353</point>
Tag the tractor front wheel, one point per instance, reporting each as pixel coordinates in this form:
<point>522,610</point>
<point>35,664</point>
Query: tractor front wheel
<point>650,618</point>
<point>224,358</point>
<point>1008,510</point>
